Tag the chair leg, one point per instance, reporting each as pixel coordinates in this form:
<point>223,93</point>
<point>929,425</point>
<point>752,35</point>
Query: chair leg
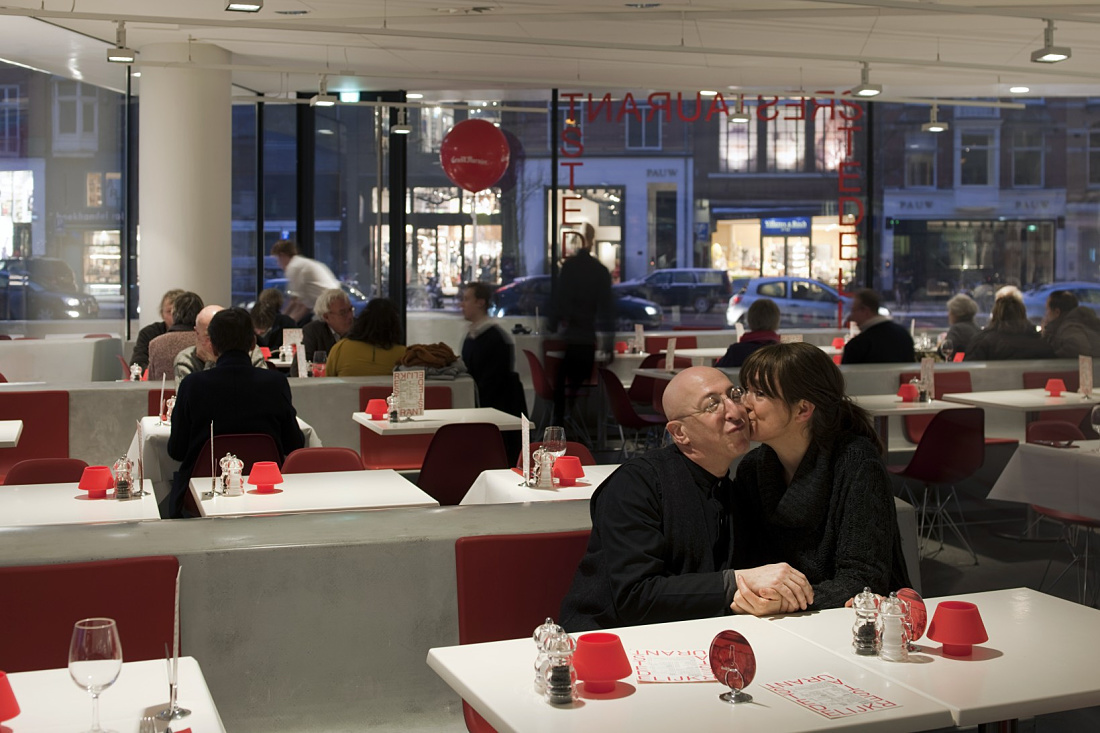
<point>959,528</point>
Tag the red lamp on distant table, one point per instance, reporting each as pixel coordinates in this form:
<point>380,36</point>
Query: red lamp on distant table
<point>377,409</point>
<point>264,476</point>
<point>567,469</point>
<point>958,626</point>
<point>1055,387</point>
<point>9,708</point>
<point>96,480</point>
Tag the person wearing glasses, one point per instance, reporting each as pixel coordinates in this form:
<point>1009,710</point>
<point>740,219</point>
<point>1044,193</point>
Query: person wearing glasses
<point>816,494</point>
<point>662,545</point>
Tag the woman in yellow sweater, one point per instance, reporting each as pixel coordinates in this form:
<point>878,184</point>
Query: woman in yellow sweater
<point>372,347</point>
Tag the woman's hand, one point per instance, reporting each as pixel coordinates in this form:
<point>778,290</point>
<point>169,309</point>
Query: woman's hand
<point>766,603</point>
<point>791,585</point>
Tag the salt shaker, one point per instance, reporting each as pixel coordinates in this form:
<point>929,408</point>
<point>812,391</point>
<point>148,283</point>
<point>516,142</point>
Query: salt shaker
<point>135,372</point>
<point>542,638</point>
<point>231,470</point>
<point>391,408</point>
<point>561,678</point>
<point>892,613</point>
<point>866,633</point>
<point>169,405</point>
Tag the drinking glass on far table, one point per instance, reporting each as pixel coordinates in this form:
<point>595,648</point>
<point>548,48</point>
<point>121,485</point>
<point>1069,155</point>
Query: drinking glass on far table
<point>95,659</point>
<point>553,441</point>
<point>947,349</point>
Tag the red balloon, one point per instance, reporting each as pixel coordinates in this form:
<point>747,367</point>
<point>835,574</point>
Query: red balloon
<point>474,154</point>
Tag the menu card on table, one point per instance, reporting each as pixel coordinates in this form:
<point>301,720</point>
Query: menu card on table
<point>739,329</point>
<point>790,338</point>
<point>525,448</point>
<point>671,665</point>
<point>1084,366</point>
<point>408,392</point>
<point>928,376</point>
<point>829,696</point>
<point>639,338</point>
<point>670,355</point>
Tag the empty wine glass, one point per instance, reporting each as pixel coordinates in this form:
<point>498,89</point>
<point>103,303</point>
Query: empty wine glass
<point>95,659</point>
<point>1094,418</point>
<point>947,349</point>
<point>553,441</point>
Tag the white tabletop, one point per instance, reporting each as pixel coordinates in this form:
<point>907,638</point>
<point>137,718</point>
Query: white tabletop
<point>40,504</point>
<point>10,431</point>
<point>433,420</point>
<point>880,405</point>
<point>657,373</point>
<point>497,680</point>
<point>50,702</point>
<point>1024,400</point>
<point>316,492</point>
<point>1058,478</point>
<point>503,486</point>
<point>1040,657</point>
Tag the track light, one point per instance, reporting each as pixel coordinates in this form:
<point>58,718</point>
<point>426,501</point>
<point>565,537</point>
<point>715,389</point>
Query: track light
<point>120,54</point>
<point>253,7</point>
<point>865,87</point>
<point>1049,53</point>
<point>740,117</point>
<point>402,127</point>
<point>322,98</point>
<point>934,124</point>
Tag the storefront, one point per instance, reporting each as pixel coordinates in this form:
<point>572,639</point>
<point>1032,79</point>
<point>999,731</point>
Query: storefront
<point>774,246</point>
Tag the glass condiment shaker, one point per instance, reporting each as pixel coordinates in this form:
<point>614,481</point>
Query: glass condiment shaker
<point>867,631</point>
<point>892,613</point>
<point>542,636</point>
<point>561,678</point>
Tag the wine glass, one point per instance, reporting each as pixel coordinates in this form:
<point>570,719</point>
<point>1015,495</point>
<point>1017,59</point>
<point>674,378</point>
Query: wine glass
<point>553,441</point>
<point>95,659</point>
<point>947,348</point>
<point>1094,418</point>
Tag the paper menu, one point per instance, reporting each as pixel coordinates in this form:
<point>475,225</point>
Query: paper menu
<point>639,338</point>
<point>408,392</point>
<point>525,448</point>
<point>1084,367</point>
<point>829,696</point>
<point>790,338</point>
<point>928,376</point>
<point>670,355</point>
<point>739,329</point>
<point>676,665</point>
<point>292,336</point>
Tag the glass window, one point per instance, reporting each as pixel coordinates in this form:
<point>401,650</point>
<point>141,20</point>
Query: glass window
<point>830,142</point>
<point>683,277</point>
<point>920,159</point>
<point>11,119</point>
<point>644,134</point>
<point>737,145</point>
<point>1027,158</point>
<point>1094,156</point>
<point>76,118</point>
<point>976,158</point>
<point>786,145</point>
<point>774,289</point>
<point>435,123</point>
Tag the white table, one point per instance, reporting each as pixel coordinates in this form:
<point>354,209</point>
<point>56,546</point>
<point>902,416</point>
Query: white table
<point>882,407</point>
<point>41,504</point>
<point>316,492</point>
<point>1026,402</point>
<point>496,679</point>
<point>502,486</point>
<point>1040,657</point>
<point>1058,478</point>
<point>51,703</point>
<point>433,420</point>
<point>10,432</point>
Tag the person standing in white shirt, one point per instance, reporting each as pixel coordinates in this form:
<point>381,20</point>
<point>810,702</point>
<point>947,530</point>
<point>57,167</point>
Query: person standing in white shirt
<point>306,279</point>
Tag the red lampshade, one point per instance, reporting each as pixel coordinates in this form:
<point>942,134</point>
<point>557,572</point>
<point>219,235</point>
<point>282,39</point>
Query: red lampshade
<point>908,392</point>
<point>838,342</point>
<point>9,708</point>
<point>620,347</point>
<point>958,626</point>
<point>96,480</point>
<point>567,469</point>
<point>377,409</point>
<point>1055,387</point>
<point>264,476</point>
<point>600,660</point>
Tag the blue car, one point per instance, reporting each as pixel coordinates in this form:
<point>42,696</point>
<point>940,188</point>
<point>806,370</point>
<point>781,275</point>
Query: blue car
<point>802,301</point>
<point>1035,300</point>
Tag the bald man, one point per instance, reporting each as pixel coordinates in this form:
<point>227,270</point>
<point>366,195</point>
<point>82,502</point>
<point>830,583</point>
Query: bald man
<point>661,546</point>
<point>201,356</point>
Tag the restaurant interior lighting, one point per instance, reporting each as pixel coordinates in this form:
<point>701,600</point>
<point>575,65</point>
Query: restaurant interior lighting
<point>740,117</point>
<point>253,7</point>
<point>934,124</point>
<point>119,54</point>
<point>1021,89</point>
<point>402,127</point>
<point>1049,53</point>
<point>322,98</point>
<point>865,87</point>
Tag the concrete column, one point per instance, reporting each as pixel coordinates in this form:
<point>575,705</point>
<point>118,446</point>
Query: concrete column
<point>184,170</point>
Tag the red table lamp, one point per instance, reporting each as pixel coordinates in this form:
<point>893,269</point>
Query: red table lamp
<point>1055,387</point>
<point>264,476</point>
<point>9,708</point>
<point>958,626</point>
<point>567,469</point>
<point>377,409</point>
<point>96,480</point>
<point>600,660</point>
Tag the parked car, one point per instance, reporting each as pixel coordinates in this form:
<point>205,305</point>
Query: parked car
<point>696,288</point>
<point>1035,300</point>
<point>801,301</point>
<point>523,295</point>
<point>356,296</point>
<point>42,288</point>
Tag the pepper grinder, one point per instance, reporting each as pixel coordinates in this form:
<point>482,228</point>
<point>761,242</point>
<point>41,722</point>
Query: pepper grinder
<point>895,637</point>
<point>561,678</point>
<point>867,631</point>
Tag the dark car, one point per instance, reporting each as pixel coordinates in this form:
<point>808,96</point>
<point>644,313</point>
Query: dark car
<point>695,287</point>
<point>356,296</point>
<point>42,288</point>
<point>523,295</point>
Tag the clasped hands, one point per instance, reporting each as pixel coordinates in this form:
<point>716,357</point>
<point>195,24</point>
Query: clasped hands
<point>771,589</point>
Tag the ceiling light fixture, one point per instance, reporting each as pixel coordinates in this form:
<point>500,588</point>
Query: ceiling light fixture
<point>253,7</point>
<point>349,97</point>
<point>708,93</point>
<point>414,95</point>
<point>322,98</point>
<point>1019,90</point>
<point>119,54</point>
<point>402,127</point>
<point>866,88</point>
<point>1049,53</point>
<point>740,117</point>
<point>934,124</point>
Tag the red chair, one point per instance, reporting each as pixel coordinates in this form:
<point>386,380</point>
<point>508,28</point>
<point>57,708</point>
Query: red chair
<point>153,405</point>
<point>3,378</point>
<point>641,388</point>
<point>658,399</point>
<point>249,447</point>
<point>5,337</point>
<point>1038,380</point>
<point>45,417</point>
<point>499,597</point>
<point>572,448</point>
<point>45,471</point>
<point>624,413</point>
<point>951,449</point>
<point>544,388</point>
<point>458,453</point>
<point>125,366</point>
<point>946,383</point>
<point>399,452</point>
<point>322,460</point>
<point>44,601</point>
<point>653,344</point>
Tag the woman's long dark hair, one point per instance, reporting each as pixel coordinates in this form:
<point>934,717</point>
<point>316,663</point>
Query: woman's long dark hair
<point>378,325</point>
<point>1010,315</point>
<point>800,371</point>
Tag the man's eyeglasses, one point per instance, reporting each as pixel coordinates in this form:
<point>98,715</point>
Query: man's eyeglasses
<point>715,402</point>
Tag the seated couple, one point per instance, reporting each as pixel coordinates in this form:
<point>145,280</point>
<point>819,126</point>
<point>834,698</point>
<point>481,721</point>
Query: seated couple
<point>807,522</point>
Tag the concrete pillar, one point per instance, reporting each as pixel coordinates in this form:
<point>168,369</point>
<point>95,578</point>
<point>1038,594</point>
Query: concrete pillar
<point>184,171</point>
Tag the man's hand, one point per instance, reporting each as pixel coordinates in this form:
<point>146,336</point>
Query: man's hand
<point>767,603</point>
<point>791,585</point>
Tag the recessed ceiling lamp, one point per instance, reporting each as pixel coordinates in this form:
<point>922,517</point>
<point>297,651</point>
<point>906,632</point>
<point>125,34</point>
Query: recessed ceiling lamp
<point>740,117</point>
<point>414,95</point>
<point>1019,90</point>
<point>865,87</point>
<point>934,124</point>
<point>707,93</point>
<point>120,54</point>
<point>1049,53</point>
<point>322,98</point>
<point>253,7</point>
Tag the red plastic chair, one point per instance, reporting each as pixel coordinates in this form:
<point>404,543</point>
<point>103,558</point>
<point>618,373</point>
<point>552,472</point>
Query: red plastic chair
<point>153,401</point>
<point>624,413</point>
<point>572,448</point>
<point>45,417</point>
<point>458,453</point>
<point>125,366</point>
<point>399,452</point>
<point>544,389</point>
<point>658,399</point>
<point>499,597</point>
<point>322,460</point>
<point>1038,380</point>
<point>45,471</point>
<point>653,344</point>
<point>641,388</point>
<point>249,447</point>
<point>951,449</point>
<point>946,383</point>
<point>46,600</point>
<point>3,378</point>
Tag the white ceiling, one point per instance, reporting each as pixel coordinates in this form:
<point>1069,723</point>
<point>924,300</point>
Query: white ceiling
<point>488,49</point>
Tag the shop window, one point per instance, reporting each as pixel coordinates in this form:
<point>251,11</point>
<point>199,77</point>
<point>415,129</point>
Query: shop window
<point>830,142</point>
<point>920,160</point>
<point>737,145</point>
<point>435,123</point>
<point>1094,156</point>
<point>11,119</point>
<point>643,134</point>
<point>1027,158</point>
<point>75,118</point>
<point>977,158</point>
<point>786,145</point>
